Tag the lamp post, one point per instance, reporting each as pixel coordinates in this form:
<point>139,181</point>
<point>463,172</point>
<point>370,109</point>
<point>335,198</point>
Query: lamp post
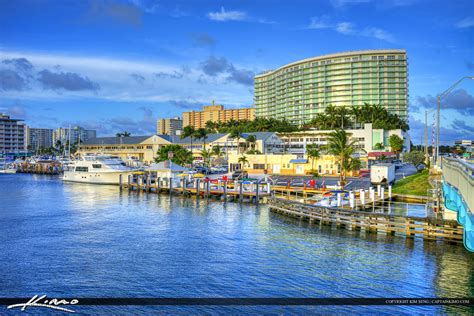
<point>440,96</point>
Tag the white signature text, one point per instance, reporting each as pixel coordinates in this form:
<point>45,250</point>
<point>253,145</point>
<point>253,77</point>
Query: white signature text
<point>42,301</point>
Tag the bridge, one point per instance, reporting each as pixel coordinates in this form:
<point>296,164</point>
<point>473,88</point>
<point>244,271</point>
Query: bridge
<point>458,193</point>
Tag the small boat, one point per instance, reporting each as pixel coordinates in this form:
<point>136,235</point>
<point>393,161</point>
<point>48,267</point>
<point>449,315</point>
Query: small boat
<point>6,168</point>
<point>98,169</point>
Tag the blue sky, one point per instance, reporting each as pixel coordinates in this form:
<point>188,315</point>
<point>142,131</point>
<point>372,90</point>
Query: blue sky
<point>120,65</point>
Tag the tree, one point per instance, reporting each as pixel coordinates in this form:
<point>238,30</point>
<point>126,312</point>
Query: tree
<point>236,133</point>
<point>188,131</point>
<point>124,134</point>
<point>251,140</point>
<point>181,155</point>
<point>414,157</point>
<point>243,161</point>
<point>201,133</point>
<point>217,151</point>
<point>313,153</point>
<point>342,148</point>
<point>396,144</point>
<point>206,157</point>
<point>379,146</point>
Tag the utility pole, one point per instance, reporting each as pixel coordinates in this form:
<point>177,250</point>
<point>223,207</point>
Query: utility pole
<point>440,96</point>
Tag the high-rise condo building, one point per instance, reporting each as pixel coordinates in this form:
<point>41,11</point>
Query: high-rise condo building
<point>39,138</point>
<point>77,133</point>
<point>12,135</point>
<point>169,126</point>
<point>216,113</point>
<point>299,90</point>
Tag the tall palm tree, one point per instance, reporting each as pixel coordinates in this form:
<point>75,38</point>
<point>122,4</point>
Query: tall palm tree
<point>217,151</point>
<point>342,148</point>
<point>188,131</point>
<point>236,133</point>
<point>201,133</point>
<point>206,157</point>
<point>313,153</point>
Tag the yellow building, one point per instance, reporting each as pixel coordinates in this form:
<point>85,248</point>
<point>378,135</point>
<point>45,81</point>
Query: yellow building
<point>216,113</point>
<point>285,164</point>
<point>143,148</point>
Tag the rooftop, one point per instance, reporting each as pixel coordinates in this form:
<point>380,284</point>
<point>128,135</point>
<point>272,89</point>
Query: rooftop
<point>335,55</point>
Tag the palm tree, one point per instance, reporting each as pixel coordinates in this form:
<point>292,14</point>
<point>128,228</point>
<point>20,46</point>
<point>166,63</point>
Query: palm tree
<point>188,131</point>
<point>313,153</point>
<point>206,157</point>
<point>236,133</point>
<point>201,133</point>
<point>216,151</point>
<point>243,161</point>
<point>342,148</point>
<point>124,134</point>
<point>251,140</point>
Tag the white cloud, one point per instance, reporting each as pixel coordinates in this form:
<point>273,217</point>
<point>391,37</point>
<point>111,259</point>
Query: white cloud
<point>117,84</point>
<point>319,22</point>
<point>224,15</point>
<point>348,28</point>
<point>465,23</point>
<point>345,28</point>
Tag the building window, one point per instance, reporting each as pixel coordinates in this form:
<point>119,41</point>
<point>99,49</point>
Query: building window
<point>96,166</point>
<point>259,166</point>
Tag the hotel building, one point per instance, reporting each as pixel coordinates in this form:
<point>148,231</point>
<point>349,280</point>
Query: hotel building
<point>300,90</point>
<point>39,138</point>
<point>77,133</point>
<point>169,126</point>
<point>12,135</point>
<point>216,113</point>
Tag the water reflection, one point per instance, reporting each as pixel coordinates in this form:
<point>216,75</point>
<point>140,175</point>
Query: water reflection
<point>103,242</point>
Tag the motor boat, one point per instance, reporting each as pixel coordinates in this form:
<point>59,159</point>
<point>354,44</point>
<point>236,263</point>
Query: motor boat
<point>98,169</point>
<point>6,168</point>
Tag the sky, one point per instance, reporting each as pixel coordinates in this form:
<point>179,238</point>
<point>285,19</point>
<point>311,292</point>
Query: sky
<point>119,65</point>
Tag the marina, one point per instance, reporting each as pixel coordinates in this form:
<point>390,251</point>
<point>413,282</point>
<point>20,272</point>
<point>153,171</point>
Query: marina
<point>172,246</point>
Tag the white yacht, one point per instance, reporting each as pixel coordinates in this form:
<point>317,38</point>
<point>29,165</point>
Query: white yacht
<point>98,169</point>
<point>6,167</point>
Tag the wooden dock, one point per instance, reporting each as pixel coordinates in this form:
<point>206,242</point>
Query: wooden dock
<point>224,190</point>
<point>408,226</point>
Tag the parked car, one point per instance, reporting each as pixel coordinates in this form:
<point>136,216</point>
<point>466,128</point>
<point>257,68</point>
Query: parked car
<point>398,164</point>
<point>239,174</point>
<point>202,170</point>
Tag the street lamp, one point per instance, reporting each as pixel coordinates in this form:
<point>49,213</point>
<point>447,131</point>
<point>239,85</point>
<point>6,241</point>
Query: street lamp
<point>440,96</point>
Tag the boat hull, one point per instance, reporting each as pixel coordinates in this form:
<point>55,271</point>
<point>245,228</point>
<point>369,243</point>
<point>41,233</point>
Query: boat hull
<point>96,177</point>
<point>8,171</point>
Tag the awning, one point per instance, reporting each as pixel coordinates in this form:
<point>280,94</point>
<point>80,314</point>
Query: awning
<point>299,161</point>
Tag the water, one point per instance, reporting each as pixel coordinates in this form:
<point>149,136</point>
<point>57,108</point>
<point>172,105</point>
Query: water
<point>79,240</point>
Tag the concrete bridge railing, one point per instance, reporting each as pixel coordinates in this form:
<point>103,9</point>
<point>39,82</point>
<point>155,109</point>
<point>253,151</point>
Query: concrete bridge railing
<point>458,193</point>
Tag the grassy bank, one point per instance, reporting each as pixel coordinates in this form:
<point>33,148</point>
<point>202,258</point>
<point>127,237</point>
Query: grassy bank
<point>416,184</point>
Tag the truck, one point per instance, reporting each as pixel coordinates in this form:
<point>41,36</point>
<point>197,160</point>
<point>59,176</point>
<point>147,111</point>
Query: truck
<point>383,173</point>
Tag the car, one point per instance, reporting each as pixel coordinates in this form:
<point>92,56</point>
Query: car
<point>202,170</point>
<point>239,174</point>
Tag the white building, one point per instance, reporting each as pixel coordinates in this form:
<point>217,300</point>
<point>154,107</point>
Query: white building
<point>39,138</point>
<point>368,139</point>
<point>77,133</point>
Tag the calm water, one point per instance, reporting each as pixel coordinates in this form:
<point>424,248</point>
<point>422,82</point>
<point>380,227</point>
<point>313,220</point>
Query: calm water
<point>79,240</point>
